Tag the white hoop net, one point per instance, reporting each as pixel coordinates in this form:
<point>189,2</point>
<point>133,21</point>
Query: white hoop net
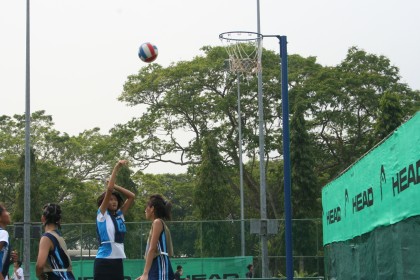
<point>244,49</point>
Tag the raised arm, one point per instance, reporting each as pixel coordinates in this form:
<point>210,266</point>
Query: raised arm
<point>111,185</point>
<point>128,194</point>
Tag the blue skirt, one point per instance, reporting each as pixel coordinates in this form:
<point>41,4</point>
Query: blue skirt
<point>161,269</point>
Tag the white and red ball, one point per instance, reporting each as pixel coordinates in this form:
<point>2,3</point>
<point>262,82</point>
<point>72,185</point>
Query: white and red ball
<point>148,52</point>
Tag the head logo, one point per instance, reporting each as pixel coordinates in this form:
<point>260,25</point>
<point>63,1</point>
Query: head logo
<point>334,215</point>
<point>346,199</point>
<point>382,178</point>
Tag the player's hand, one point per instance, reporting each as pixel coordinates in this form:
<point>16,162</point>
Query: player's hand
<point>120,163</point>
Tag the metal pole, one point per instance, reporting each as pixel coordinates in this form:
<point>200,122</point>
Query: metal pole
<point>263,208</point>
<point>241,172</point>
<point>27,190</point>
<point>286,157</point>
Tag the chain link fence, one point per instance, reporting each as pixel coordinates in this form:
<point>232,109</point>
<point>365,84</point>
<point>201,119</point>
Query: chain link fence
<point>204,239</point>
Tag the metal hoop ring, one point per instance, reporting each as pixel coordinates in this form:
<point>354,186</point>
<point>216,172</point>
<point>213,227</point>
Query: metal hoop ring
<point>227,36</point>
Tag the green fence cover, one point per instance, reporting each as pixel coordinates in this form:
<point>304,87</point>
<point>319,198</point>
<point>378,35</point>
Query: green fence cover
<point>380,189</point>
<point>390,252</point>
<point>194,268</point>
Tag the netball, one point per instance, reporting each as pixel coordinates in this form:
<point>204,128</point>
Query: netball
<point>148,52</point>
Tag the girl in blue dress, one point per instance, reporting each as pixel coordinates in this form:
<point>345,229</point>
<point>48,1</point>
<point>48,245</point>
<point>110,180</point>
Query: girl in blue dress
<point>53,262</point>
<point>110,227</point>
<point>159,243</point>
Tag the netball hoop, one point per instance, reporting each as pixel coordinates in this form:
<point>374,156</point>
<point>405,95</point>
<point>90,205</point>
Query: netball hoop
<point>244,49</point>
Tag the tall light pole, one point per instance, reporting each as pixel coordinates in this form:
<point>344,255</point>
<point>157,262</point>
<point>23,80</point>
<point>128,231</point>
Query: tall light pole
<point>27,185</point>
<point>263,199</point>
<point>286,157</point>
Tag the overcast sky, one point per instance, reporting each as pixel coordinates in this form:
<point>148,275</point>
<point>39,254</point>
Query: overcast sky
<point>83,50</point>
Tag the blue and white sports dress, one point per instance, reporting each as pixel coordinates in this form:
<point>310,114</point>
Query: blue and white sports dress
<point>161,268</point>
<point>111,231</point>
<point>58,265</point>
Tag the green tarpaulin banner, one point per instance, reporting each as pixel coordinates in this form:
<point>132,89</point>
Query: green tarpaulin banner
<point>382,188</point>
<point>194,268</point>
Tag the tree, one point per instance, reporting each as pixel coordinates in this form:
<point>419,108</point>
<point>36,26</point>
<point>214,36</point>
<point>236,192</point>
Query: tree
<point>344,101</point>
<point>212,185</point>
<point>9,176</point>
<point>187,99</point>
<point>86,156</point>
<point>390,115</point>
<point>35,203</point>
<point>305,188</point>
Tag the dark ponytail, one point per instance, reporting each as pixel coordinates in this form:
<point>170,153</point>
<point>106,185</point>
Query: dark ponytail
<point>162,207</point>
<point>52,214</point>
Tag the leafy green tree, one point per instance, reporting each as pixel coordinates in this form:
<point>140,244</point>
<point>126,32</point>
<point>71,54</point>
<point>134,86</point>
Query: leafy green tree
<point>35,203</point>
<point>390,115</point>
<point>9,176</point>
<point>85,156</point>
<point>188,98</point>
<point>79,213</point>
<point>305,188</point>
<point>213,185</point>
<point>12,136</point>
<point>344,102</point>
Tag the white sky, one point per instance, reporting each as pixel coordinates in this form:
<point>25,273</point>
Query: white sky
<point>83,50</point>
